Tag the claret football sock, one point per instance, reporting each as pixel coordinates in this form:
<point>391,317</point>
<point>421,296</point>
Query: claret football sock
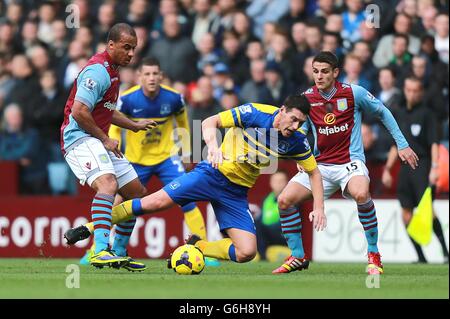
<point>122,237</point>
<point>368,218</point>
<point>195,222</point>
<point>291,226</point>
<point>101,218</point>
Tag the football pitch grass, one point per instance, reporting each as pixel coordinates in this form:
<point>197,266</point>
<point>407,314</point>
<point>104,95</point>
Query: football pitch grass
<point>46,278</point>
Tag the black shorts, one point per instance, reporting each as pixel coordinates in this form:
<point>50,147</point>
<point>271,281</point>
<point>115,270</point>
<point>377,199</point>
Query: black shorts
<point>412,183</point>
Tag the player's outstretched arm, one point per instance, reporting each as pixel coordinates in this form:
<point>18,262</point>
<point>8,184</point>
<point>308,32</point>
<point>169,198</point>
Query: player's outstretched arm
<point>122,121</point>
<point>317,216</point>
<point>209,128</point>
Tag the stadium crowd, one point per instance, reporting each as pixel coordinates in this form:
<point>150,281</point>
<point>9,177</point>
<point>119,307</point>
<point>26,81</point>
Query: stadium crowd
<point>218,53</point>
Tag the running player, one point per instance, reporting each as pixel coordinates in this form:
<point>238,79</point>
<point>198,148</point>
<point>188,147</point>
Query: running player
<point>152,152</point>
<point>335,121</point>
<point>91,154</point>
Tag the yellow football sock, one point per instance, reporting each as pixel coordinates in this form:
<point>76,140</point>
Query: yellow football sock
<point>195,222</point>
<point>216,249</point>
<point>120,214</point>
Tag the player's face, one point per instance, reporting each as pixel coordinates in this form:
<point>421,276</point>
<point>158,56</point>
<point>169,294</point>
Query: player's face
<point>122,51</point>
<point>151,77</point>
<point>290,120</point>
<point>324,75</point>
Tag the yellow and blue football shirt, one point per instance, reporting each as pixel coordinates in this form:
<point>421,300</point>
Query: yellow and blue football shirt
<point>154,146</point>
<point>252,143</point>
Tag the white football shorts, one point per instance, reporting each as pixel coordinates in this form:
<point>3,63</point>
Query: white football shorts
<point>89,159</point>
<point>334,177</point>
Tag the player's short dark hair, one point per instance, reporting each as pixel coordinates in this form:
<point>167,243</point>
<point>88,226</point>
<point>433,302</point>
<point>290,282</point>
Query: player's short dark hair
<point>389,69</point>
<point>299,102</point>
<point>327,57</point>
<point>149,61</point>
<point>118,29</point>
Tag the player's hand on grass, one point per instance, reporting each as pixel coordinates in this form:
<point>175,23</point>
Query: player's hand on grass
<point>143,125</point>
<point>318,218</point>
<point>408,156</point>
<point>386,179</point>
<point>112,146</point>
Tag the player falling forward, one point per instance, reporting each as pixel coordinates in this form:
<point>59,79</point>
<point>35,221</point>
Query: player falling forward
<point>151,152</point>
<point>91,154</point>
<point>257,133</point>
<point>335,121</point>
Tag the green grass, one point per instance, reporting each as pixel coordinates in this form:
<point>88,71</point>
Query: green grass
<point>46,278</point>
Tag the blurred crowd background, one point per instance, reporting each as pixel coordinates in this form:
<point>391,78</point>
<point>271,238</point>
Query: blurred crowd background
<point>218,53</point>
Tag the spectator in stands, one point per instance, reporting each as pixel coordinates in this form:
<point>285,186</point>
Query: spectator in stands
<point>362,50</point>
<point>307,75</point>
<point>21,144</point>
<point>332,42</point>
<point>268,227</point>
<point>298,35</point>
<point>206,52</point>
<point>334,23</point>
<point>58,46</point>
<point>106,18</point>
<point>419,126</point>
<point>6,81</point>
<point>384,52</point>
<point>352,72</point>
<point>278,86</point>
<point>255,89</point>
<point>421,68</point>
<point>232,55</point>
<point>325,8</point>
<point>255,51</point>
<point>441,38</point>
<point>30,35</point>
<point>25,80</point>
<point>221,80</point>
<point>401,58</point>
<point>69,66</point>
<point>351,20</point>
<point>202,20</point>
<point>139,13</point>
<point>223,20</point>
<point>243,27</point>
<point>47,15</point>
<point>39,58</point>
<point>262,11</point>
<point>229,100</point>
<point>281,52</point>
<point>175,47</point>
<point>296,13</point>
<point>8,44</point>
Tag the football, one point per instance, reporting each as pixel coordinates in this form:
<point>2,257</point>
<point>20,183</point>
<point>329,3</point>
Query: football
<point>187,260</point>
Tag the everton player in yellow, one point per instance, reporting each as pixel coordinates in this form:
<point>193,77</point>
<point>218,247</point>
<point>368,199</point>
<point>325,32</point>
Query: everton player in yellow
<point>152,152</point>
<point>257,135</point>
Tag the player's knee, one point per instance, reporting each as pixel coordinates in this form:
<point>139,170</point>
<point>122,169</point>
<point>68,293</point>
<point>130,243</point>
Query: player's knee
<point>246,254</point>
<point>284,202</point>
<point>107,185</point>
<point>361,196</point>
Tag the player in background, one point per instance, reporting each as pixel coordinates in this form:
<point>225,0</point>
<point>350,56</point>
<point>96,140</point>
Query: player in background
<point>335,121</point>
<point>258,133</point>
<point>153,152</point>
<point>92,155</point>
